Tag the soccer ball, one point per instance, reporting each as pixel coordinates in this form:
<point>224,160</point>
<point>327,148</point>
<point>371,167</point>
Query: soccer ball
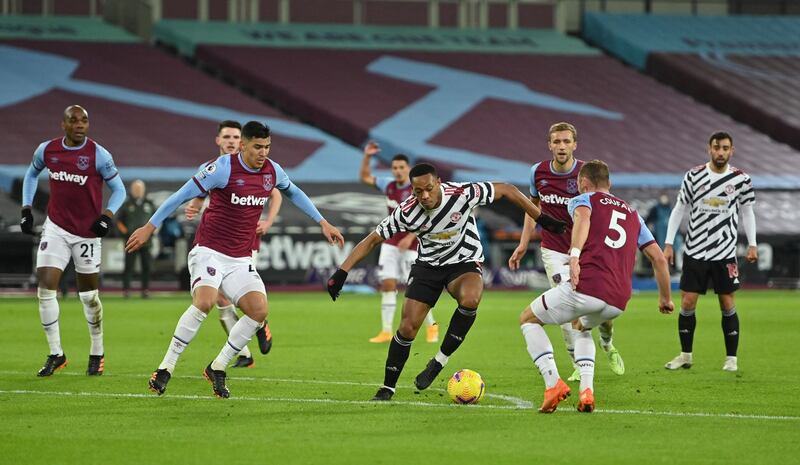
<point>466,387</point>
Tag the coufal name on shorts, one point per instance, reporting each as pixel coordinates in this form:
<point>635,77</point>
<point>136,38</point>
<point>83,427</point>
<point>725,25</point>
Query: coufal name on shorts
<point>553,198</point>
<point>250,200</point>
<point>614,202</point>
<point>69,177</point>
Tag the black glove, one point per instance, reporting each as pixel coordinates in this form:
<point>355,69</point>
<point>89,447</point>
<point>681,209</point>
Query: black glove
<point>335,283</point>
<point>26,223</point>
<point>551,224</point>
<point>101,226</point>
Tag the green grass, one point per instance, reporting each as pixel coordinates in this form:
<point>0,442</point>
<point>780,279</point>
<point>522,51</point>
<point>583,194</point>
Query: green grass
<point>303,403</point>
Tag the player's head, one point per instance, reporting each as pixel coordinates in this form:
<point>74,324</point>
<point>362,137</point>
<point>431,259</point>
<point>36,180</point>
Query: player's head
<point>425,185</point>
<point>400,168</point>
<point>256,141</point>
<point>562,141</point>
<point>75,123</point>
<point>137,189</point>
<point>229,136</point>
<point>720,149</point>
<point>593,176</point>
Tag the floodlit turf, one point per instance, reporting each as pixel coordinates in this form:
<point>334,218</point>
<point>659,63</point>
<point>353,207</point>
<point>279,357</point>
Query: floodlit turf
<point>306,401</point>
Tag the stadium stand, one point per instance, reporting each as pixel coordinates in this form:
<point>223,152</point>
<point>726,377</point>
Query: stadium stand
<point>744,66</point>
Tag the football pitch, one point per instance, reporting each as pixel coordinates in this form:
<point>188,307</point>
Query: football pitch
<point>307,401</point>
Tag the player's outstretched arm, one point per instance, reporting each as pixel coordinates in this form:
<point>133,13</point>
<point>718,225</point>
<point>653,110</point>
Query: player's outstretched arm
<point>336,281</point>
<point>140,237</point>
<point>29,184</point>
<point>528,225</point>
<point>661,268</point>
<point>516,197</point>
<point>275,201</point>
<point>370,150</point>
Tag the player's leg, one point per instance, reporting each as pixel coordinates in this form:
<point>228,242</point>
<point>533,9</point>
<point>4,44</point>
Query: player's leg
<point>725,278</point>
<point>596,312</point>
<point>86,255</point>
<point>432,330</point>
<point>465,284</point>
<point>694,281</point>
<point>52,257</point>
<point>389,272</point>
<point>556,268</point>
<point>414,312</point>
<point>228,319</point>
<point>606,330</point>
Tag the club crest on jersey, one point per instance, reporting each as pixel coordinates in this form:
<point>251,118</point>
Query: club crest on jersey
<point>43,245</point>
<point>211,271</point>
<point>572,185</point>
<point>268,182</point>
<point>729,189</point>
<point>83,162</point>
<point>455,217</point>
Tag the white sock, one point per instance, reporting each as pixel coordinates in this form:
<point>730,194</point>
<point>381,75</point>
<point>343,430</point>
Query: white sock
<point>606,335</point>
<point>568,333</point>
<point>541,352</point>
<point>93,310</point>
<point>441,358</point>
<point>48,313</point>
<point>240,335</point>
<point>228,317</point>
<point>584,357</point>
<point>429,320</point>
<point>388,306</point>
<point>188,325</point>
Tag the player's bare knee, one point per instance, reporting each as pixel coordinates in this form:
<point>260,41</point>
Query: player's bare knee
<point>527,316</point>
<point>470,301</point>
<point>408,329</point>
<point>203,303</point>
<point>388,285</point>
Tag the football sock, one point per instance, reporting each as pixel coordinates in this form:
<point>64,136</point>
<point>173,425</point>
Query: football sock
<point>567,334</point>
<point>188,325</point>
<point>429,320</point>
<point>606,335</point>
<point>48,313</point>
<point>240,335</point>
<point>93,310</point>
<point>441,358</point>
<point>388,306</point>
<point>584,358</point>
<point>399,349</point>
<point>541,351</point>
<point>460,323</point>
<point>730,328</point>
<point>228,318</point>
<point>686,324</point>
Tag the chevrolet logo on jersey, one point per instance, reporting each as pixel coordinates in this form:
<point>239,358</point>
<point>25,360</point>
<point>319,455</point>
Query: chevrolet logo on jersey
<point>715,202</point>
<point>444,235</point>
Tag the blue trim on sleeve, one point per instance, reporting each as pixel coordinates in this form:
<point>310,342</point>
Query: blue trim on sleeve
<point>215,175</point>
<point>188,191</point>
<point>282,181</point>
<point>117,193</point>
<point>104,163</point>
<point>645,236</point>
<point>581,200</point>
<point>532,181</point>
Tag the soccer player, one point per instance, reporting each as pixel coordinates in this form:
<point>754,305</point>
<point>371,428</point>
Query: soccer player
<point>399,251</point>
<point>73,228</point>
<point>597,287</point>
<point>221,259</point>
<point>714,193</point>
<point>552,184</point>
<point>229,135</point>
<point>450,257</point>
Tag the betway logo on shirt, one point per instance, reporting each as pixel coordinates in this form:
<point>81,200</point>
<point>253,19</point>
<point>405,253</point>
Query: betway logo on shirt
<point>553,198</point>
<point>68,177</point>
<point>250,200</point>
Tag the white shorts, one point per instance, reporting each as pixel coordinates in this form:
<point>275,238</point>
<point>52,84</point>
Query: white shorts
<point>234,277</point>
<point>562,304</point>
<point>555,263</point>
<point>58,246</point>
<point>394,263</point>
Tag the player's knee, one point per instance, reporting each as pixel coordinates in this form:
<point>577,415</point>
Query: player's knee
<point>46,294</point>
<point>526,316</point>
<point>470,301</point>
<point>203,303</point>
<point>90,298</point>
<point>408,329</point>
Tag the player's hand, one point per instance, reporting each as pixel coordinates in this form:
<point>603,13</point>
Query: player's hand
<point>139,238</point>
<point>574,271</point>
<point>332,234</point>
<point>190,211</point>
<point>516,257</point>
<point>752,254</point>
<point>263,227</point>
<point>26,223</point>
<point>101,225</point>
<point>669,254</point>
<point>372,148</point>
<point>665,305</point>
<point>551,224</point>
<point>335,283</point>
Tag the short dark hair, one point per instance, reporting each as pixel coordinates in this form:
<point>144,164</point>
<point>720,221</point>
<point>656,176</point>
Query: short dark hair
<point>421,169</point>
<point>401,157</point>
<point>719,135</point>
<point>255,130</point>
<point>228,123</point>
<point>596,171</point>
